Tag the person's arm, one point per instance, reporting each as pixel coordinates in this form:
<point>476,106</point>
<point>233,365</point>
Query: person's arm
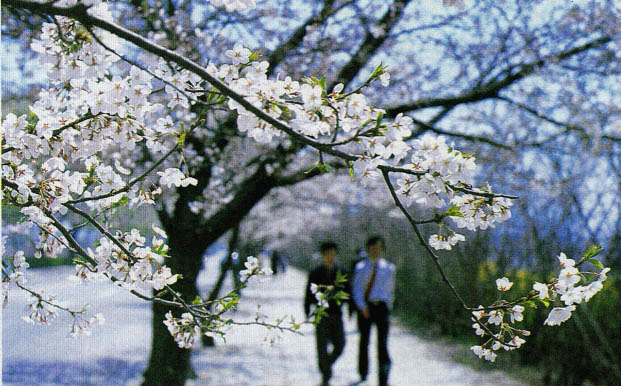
<point>308,296</point>
<point>391,287</point>
<point>349,285</point>
<point>358,288</point>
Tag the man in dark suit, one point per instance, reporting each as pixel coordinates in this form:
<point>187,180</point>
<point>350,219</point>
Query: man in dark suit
<point>373,293</point>
<point>329,330</point>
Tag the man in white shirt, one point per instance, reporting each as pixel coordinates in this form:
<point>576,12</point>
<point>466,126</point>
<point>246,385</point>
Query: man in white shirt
<point>373,293</point>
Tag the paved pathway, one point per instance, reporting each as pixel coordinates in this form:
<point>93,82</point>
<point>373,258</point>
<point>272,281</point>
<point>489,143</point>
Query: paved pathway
<point>117,352</point>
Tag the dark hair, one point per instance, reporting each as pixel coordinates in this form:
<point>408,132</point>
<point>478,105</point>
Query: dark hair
<point>374,240</point>
<point>327,245</point>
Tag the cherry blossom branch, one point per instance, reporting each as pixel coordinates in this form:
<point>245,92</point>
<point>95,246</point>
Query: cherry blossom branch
<point>80,13</point>
<point>269,325</point>
<point>479,193</point>
<point>56,132</point>
<point>43,300</point>
<point>143,68</point>
<point>132,182</point>
<point>78,248</point>
<point>421,239</point>
<point>100,228</point>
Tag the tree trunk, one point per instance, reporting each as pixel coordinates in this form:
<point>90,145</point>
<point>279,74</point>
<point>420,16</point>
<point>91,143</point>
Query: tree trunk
<point>188,238</point>
<point>170,365</point>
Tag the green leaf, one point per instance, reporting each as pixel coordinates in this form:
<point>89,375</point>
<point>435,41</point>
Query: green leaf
<point>379,70</point>
<point>341,278</point>
<point>351,173</point>
<point>530,303</point>
<point>545,302</point>
<point>181,139</point>
<point>596,263</point>
<point>322,82</point>
<point>322,167</point>
<point>197,300</point>
<point>453,211</point>
<point>592,252</point>
<point>341,295</point>
<point>380,115</point>
<point>122,202</point>
<point>254,56</point>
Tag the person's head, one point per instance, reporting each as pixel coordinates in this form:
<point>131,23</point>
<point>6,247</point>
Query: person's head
<point>375,247</point>
<point>328,251</point>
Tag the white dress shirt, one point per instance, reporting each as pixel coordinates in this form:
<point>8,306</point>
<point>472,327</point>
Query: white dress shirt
<point>383,287</point>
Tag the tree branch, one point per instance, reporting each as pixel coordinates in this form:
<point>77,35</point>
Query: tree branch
<point>371,44</point>
<point>492,88</point>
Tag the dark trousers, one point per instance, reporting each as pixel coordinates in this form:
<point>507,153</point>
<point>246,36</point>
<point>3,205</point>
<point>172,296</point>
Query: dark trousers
<point>329,331</point>
<point>378,315</point>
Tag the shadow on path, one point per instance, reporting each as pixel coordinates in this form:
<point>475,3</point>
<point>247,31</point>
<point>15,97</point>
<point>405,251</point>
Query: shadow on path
<point>105,371</point>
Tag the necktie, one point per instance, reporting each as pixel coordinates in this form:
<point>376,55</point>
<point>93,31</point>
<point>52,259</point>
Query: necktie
<point>367,291</point>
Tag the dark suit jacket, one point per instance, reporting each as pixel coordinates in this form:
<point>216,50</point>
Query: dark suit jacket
<point>321,275</point>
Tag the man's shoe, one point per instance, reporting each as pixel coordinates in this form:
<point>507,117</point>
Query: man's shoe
<point>325,380</point>
<point>384,370</point>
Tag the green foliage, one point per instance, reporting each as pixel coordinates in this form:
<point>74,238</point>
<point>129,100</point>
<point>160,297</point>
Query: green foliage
<point>584,349</point>
<point>320,166</point>
<point>453,211</point>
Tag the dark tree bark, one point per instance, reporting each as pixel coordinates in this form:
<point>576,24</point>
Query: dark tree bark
<point>169,364</point>
<point>189,237</point>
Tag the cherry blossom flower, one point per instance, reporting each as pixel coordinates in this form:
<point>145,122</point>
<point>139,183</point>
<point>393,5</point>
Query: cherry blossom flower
<point>311,96</point>
<point>542,289</point>
<point>565,262</point>
<point>503,284</point>
<point>495,317</point>
<point>385,79</point>
<point>559,315</point>
<point>239,54</point>
<point>516,313</point>
<point>173,176</point>
<point>478,330</point>
<point>162,277</point>
<point>480,313</point>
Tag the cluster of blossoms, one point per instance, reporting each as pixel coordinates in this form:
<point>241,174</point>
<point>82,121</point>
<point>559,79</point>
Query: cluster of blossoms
<point>13,272</point>
<point>184,330</point>
<point>563,289</point>
<point>253,268</point>
<point>42,308</point>
<point>319,295</point>
<point>446,170</point>
<point>82,324</point>
<point>567,291</point>
<point>129,262</point>
<point>434,176</point>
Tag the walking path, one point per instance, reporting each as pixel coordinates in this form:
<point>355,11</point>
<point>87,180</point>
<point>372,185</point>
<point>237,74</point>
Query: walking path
<point>116,353</point>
